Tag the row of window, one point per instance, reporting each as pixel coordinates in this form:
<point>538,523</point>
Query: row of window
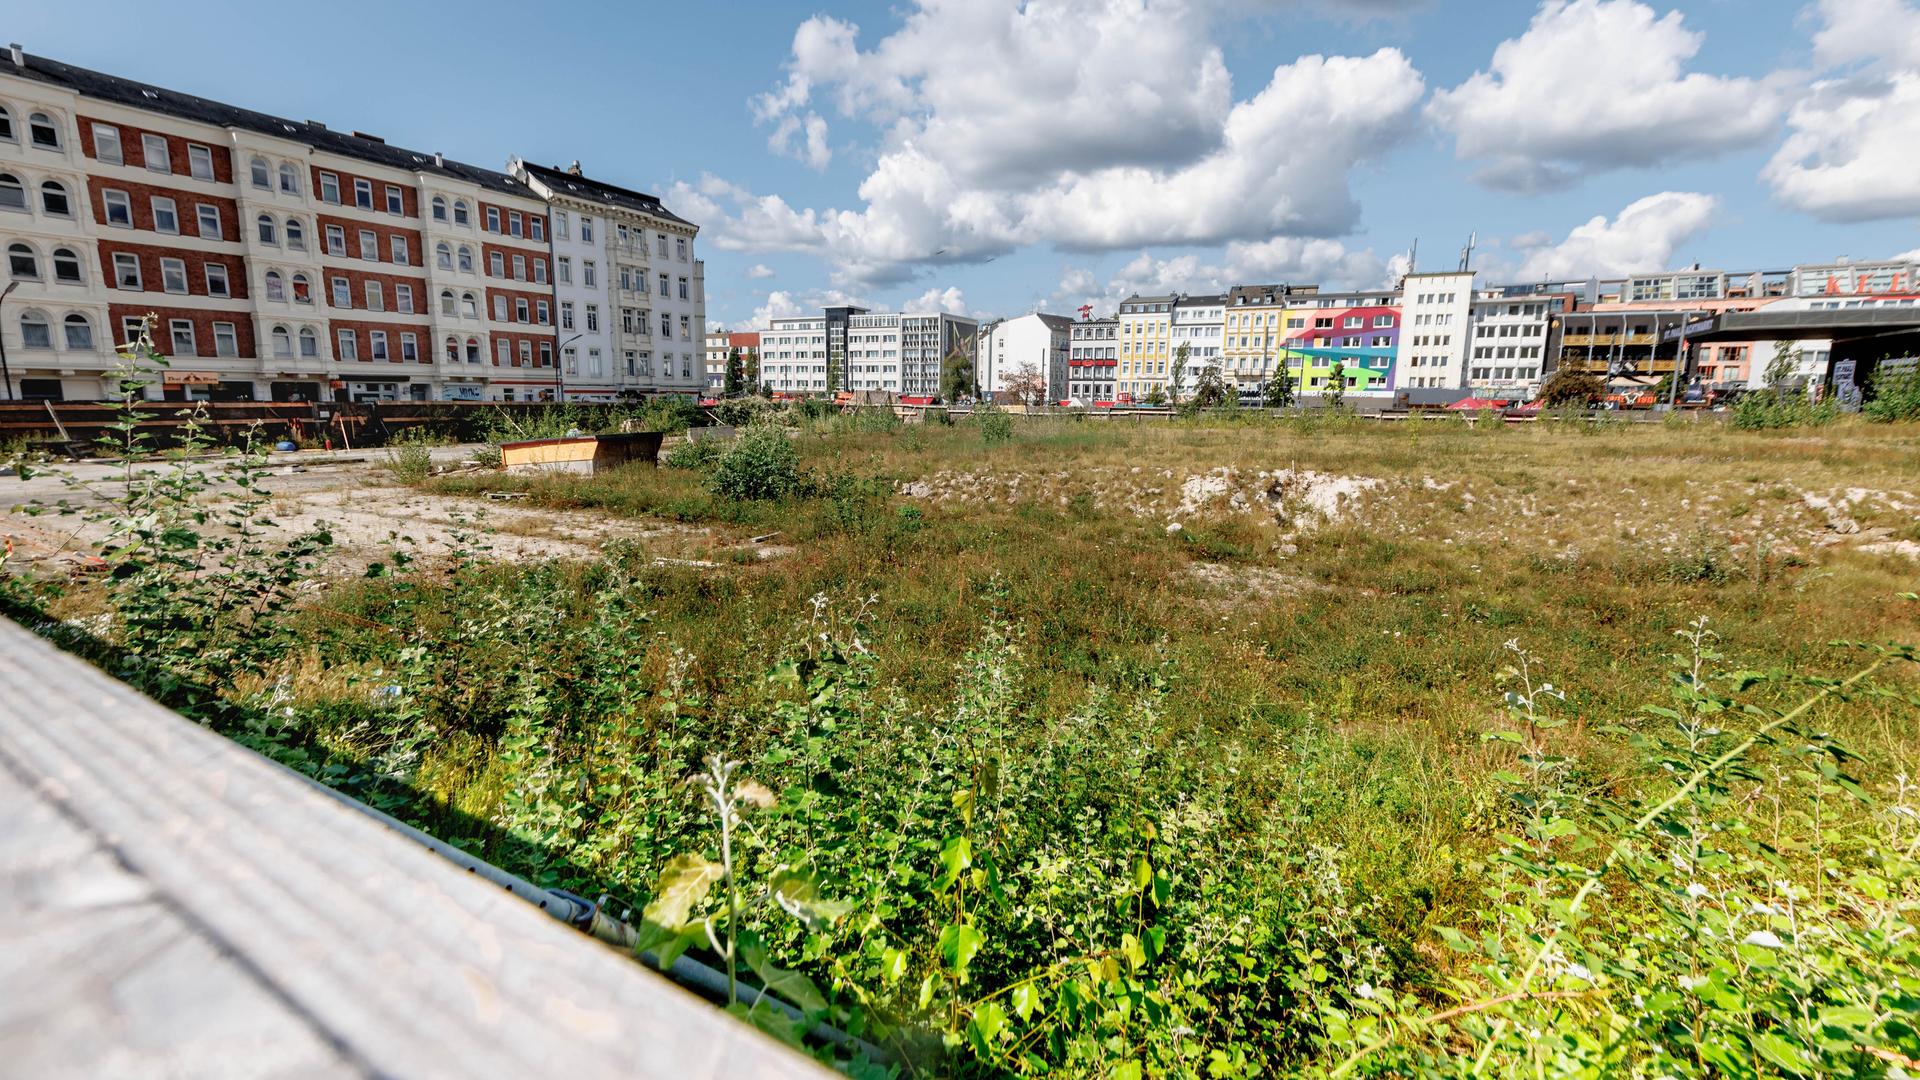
<point>155,152</point>
<point>1485,330</point>
<point>630,239</point>
<point>36,331</point>
<point>55,201</point>
<point>42,130</point>
<point>23,264</point>
<point>173,275</point>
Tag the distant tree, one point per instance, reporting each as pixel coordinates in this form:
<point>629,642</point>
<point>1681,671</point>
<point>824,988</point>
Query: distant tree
<point>1784,365</point>
<point>1180,356</point>
<point>1211,391</point>
<point>1278,391</point>
<point>766,391</point>
<point>752,359</point>
<point>1157,396</point>
<point>1335,394</point>
<point>1027,385</point>
<point>1569,387</point>
<point>956,375</point>
<point>736,380</point>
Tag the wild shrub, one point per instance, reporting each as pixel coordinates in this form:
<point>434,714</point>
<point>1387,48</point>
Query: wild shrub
<point>697,455</point>
<point>671,413</point>
<point>743,412</point>
<point>1896,397</point>
<point>994,425</point>
<point>1766,411</point>
<point>410,461</point>
<point>761,464</point>
<point>196,588</point>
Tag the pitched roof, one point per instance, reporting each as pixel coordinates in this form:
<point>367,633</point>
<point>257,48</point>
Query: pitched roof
<point>139,95</point>
<point>560,181</point>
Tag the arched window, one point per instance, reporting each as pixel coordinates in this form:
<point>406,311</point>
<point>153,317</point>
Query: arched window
<point>473,350</point>
<point>453,349</point>
<point>22,262</point>
<point>53,199</point>
<point>79,332</point>
<point>276,286</point>
<point>469,306</point>
<point>269,232</point>
<point>443,255</point>
<point>439,208</point>
<point>257,169</point>
<point>34,332</point>
<point>44,133</point>
<point>289,178</point>
<point>66,266</point>
<point>309,342</point>
<point>6,125</point>
<point>459,211</point>
<point>296,235</point>
<point>446,301</point>
<point>282,342</point>
<point>302,291</point>
<point>466,259</point>
<point>13,194</point>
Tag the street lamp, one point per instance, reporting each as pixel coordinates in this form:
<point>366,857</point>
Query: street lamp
<point>560,370</point>
<point>6,376</point>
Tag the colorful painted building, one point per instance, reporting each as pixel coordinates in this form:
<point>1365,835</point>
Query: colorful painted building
<point>1359,332</point>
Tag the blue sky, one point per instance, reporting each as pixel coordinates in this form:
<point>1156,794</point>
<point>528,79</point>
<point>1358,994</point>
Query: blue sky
<point>995,158</point>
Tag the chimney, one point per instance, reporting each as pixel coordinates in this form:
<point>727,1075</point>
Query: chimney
<point>574,169</point>
<point>438,160</point>
<point>19,55</point>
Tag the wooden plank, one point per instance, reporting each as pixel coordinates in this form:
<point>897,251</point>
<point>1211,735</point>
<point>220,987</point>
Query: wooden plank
<point>262,928</point>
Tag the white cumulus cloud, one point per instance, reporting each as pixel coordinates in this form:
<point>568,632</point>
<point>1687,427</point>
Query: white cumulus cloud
<point>949,300</point>
<point>1640,238</point>
<point>1594,85</point>
<point>759,271</point>
<point>1850,151</point>
<point>999,126</point>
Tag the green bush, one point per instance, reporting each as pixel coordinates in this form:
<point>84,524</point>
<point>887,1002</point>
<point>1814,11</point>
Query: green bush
<point>410,462</point>
<point>761,464</point>
<point>1896,397</point>
<point>672,415</point>
<point>695,454</point>
<point>995,426</point>
<point>1766,411</point>
<point>742,412</point>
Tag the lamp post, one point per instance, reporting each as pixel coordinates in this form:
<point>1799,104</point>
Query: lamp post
<point>560,370</point>
<point>6,376</point>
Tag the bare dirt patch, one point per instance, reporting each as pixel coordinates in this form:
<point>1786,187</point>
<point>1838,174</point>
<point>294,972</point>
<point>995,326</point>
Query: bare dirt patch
<point>1226,586</point>
<point>368,517</point>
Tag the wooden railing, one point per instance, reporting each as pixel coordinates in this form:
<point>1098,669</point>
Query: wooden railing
<point>178,905</point>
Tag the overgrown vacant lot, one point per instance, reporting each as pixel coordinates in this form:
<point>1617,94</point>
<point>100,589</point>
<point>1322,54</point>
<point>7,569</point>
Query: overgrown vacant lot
<point>1201,749</point>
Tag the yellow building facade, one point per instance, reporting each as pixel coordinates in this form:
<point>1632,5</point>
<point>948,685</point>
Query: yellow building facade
<point>1145,328</point>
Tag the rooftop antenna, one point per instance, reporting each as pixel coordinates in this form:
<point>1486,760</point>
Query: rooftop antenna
<point>1466,253</point>
<point>1413,256</point>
